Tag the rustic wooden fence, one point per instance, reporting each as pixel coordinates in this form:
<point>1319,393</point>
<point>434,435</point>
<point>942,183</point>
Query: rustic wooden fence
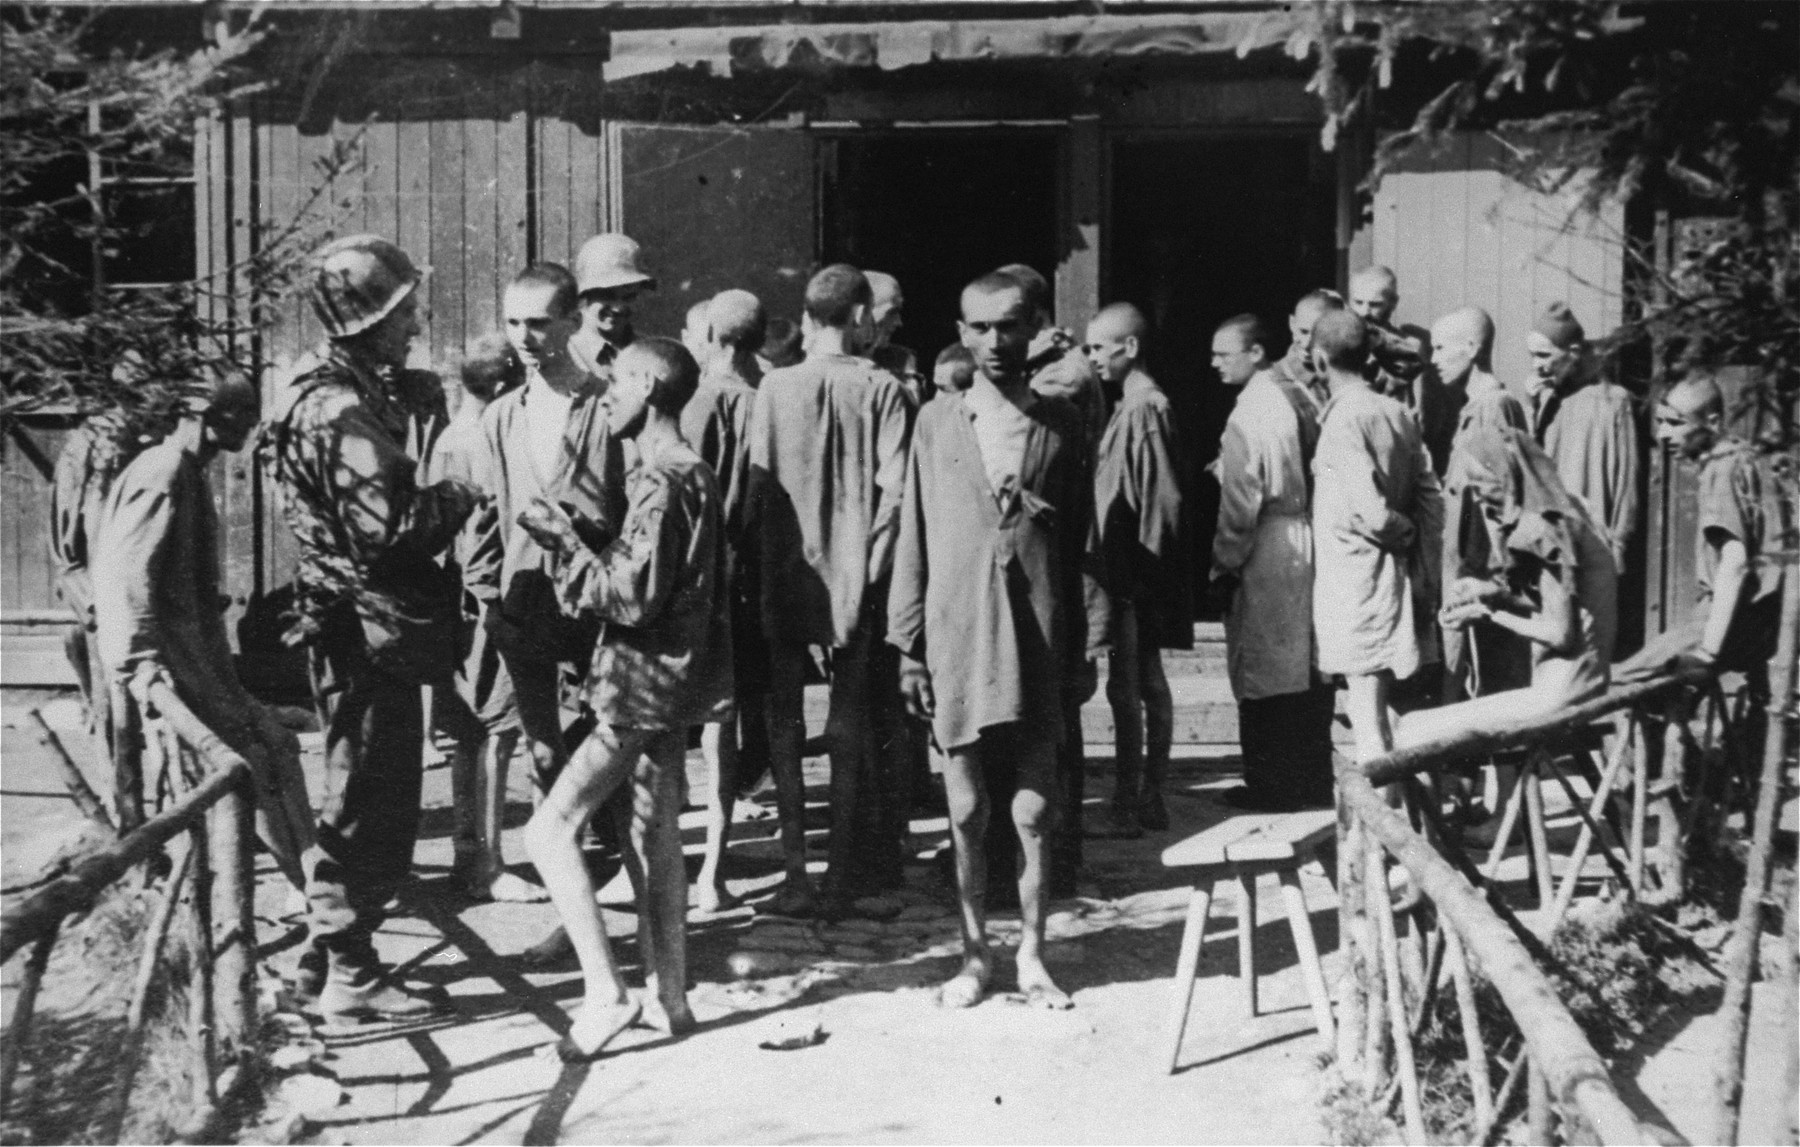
<point>216,815</point>
<point>1690,718</point>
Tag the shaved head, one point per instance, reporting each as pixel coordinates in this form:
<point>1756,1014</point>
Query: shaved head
<point>232,410</point>
<point>1037,288</point>
<point>1374,292</point>
<point>1115,341</point>
<point>1471,323</point>
<point>1315,303</point>
<point>1118,321</point>
<point>884,288</point>
<point>736,320</point>
<point>1460,342</point>
<point>1697,397</point>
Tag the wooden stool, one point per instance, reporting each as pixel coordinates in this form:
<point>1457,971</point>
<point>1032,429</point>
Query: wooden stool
<point>1241,849</point>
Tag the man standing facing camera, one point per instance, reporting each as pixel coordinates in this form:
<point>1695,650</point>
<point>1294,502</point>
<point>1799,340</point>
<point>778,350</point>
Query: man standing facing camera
<point>986,609</point>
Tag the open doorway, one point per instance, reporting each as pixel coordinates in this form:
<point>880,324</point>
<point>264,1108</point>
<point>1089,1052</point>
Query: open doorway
<point>935,210</point>
<point>1202,229</point>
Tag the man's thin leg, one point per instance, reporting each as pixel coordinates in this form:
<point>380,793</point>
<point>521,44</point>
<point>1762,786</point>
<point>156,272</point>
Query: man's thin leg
<point>966,792</point>
<point>1366,702</point>
<point>847,872</point>
<point>1159,734</point>
<point>664,905</point>
<point>540,717</point>
<point>1033,816</point>
<point>553,841</point>
<point>719,745</point>
<point>787,733</point>
<point>1124,692</point>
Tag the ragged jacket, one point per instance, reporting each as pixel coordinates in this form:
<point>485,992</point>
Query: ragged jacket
<point>1138,507</point>
<point>1264,539</point>
<point>664,656</point>
<point>1592,434</point>
<point>1377,522</point>
<point>157,606</point>
<point>507,570</point>
<point>828,443</point>
<point>995,603</point>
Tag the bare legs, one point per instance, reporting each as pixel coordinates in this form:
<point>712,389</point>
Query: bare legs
<point>611,756</point>
<point>1031,813</point>
<point>719,744</point>
<point>787,735</point>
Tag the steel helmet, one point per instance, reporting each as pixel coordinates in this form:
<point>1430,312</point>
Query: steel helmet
<point>357,281</point>
<point>608,261</point>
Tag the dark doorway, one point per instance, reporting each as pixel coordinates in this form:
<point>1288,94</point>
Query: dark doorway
<point>1204,229</point>
<point>935,210</point>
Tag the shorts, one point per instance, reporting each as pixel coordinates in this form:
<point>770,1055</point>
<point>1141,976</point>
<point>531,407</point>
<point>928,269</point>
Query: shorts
<point>1009,762</point>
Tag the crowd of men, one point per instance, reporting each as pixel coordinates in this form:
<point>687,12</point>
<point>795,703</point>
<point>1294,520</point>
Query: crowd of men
<point>658,537</point>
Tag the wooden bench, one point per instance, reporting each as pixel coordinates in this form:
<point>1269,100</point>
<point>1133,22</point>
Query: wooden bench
<point>1241,849</point>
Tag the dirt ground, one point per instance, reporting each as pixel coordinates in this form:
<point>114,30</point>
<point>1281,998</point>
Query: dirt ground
<point>883,1063</point>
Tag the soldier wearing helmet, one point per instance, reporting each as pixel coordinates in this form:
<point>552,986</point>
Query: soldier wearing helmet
<point>609,276</point>
<point>377,613</point>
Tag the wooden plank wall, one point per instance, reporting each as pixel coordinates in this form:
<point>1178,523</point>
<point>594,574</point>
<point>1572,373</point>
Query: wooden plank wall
<point>1457,231</point>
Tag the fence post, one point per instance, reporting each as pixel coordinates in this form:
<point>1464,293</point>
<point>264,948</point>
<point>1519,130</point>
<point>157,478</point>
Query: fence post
<point>233,850</point>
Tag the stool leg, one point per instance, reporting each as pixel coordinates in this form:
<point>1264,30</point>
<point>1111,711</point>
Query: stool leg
<point>1187,966</point>
<point>1534,827</point>
<point>1300,924</point>
<point>1246,891</point>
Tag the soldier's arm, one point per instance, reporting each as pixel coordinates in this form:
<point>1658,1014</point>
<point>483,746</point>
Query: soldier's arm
<point>383,506</point>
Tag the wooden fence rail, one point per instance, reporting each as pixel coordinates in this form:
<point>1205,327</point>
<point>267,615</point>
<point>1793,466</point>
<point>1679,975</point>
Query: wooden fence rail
<point>217,814</point>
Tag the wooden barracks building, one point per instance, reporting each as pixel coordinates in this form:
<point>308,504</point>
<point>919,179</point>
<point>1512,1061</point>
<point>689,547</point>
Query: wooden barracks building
<point>1128,149</point>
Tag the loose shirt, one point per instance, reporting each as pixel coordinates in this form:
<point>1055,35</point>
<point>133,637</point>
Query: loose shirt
<point>158,609</point>
<point>992,599</point>
<point>1138,507</point>
<point>1377,517</point>
<point>1741,500</point>
<point>1264,537</point>
<point>828,440</point>
<point>664,657</point>
<point>1592,434</point>
<point>345,450</point>
<point>508,568</point>
<point>716,423</point>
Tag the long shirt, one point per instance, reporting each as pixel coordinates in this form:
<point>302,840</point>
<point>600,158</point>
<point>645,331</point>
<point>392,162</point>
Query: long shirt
<point>158,609</point>
<point>1264,538</point>
<point>828,443</point>
<point>664,657</point>
<point>345,449</point>
<point>1592,434</point>
<point>992,597</point>
<point>716,423</point>
<point>1138,513</point>
<point>507,568</point>
<point>1377,519</point>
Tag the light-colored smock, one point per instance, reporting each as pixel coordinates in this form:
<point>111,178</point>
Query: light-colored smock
<point>1377,518</point>
<point>1264,537</point>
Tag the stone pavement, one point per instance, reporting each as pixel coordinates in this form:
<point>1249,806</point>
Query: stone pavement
<point>881,1062</point>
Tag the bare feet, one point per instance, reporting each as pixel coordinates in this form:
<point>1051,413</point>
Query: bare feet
<point>1039,989</point>
<point>794,899</point>
<point>502,886</point>
<point>678,1020</point>
<point>711,900</point>
<point>594,1027</point>
<point>552,949</point>
<point>965,989</point>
